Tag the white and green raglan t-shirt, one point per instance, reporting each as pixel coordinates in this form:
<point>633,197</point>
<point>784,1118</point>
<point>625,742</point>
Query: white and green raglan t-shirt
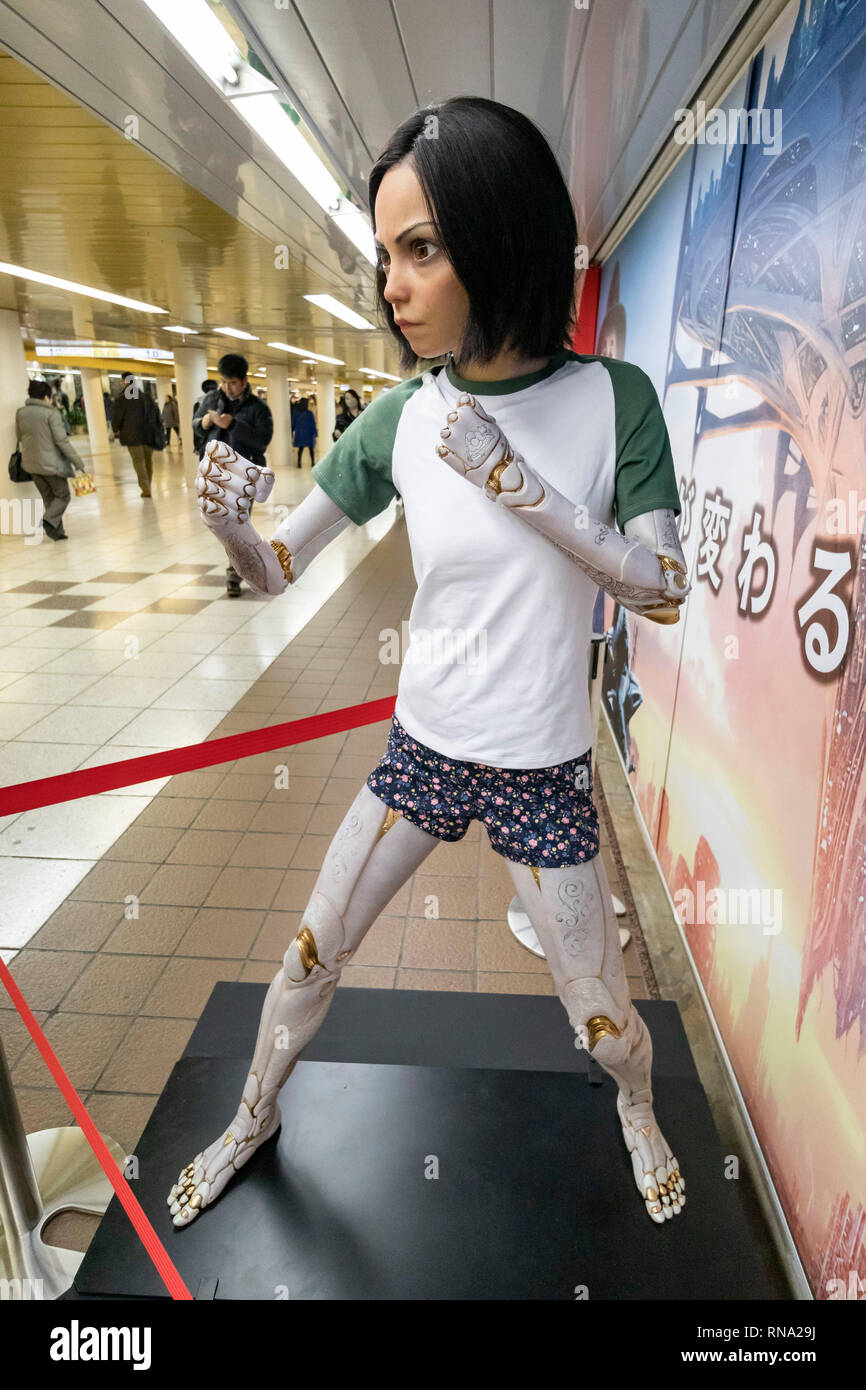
<point>497,666</point>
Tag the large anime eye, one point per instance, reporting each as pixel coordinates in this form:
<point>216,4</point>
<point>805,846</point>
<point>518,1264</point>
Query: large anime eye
<point>424,241</point>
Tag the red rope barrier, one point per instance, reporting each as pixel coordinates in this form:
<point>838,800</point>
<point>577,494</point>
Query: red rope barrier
<point>150,1240</point>
<point>48,791</point>
<point>88,781</point>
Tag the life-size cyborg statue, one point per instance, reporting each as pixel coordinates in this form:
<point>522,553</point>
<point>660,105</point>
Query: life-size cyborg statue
<point>376,849</point>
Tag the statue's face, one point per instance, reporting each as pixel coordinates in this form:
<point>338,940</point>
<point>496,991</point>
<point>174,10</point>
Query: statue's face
<point>421,285</point>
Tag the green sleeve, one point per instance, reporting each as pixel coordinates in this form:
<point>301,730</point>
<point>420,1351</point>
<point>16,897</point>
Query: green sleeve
<point>645,477</point>
<point>356,472</point>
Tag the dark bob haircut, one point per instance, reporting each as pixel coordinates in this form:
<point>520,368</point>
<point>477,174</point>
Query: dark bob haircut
<point>38,390</point>
<point>504,218</point>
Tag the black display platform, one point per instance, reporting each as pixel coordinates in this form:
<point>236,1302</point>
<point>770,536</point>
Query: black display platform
<point>534,1195</point>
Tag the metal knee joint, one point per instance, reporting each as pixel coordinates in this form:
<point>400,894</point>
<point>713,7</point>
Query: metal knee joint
<point>594,1014</point>
<point>319,945</point>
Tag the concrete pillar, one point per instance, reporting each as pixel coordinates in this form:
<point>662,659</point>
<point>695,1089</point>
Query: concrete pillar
<point>13,393</point>
<point>94,409</point>
<point>326,413</point>
<point>190,370</point>
<point>279,451</point>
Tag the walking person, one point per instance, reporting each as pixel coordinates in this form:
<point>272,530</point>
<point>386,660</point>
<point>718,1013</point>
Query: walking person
<point>136,421</point>
<point>47,455</point>
<point>171,419</point>
<point>60,401</point>
<point>350,409</point>
<point>305,430</point>
<point>198,439</point>
<point>234,414</point>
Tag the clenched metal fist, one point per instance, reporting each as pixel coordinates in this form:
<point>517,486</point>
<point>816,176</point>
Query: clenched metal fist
<point>227,485</point>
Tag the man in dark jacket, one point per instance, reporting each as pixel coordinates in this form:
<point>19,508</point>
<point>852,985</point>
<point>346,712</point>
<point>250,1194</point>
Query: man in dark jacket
<point>135,420</point>
<point>235,414</point>
<point>198,441</point>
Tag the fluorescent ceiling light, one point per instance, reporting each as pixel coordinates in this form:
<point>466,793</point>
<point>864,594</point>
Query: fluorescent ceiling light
<point>279,132</point>
<point>197,29</point>
<point>340,311</point>
<point>236,333</point>
<point>305,352</point>
<point>24,274</point>
<point>176,328</point>
<point>386,376</point>
<point>199,32</point>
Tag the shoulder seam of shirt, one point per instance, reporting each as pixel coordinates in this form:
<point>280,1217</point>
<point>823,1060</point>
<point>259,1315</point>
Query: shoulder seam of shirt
<point>371,433</point>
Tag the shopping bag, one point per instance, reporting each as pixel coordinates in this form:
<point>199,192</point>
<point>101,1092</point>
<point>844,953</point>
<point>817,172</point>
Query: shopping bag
<point>82,483</point>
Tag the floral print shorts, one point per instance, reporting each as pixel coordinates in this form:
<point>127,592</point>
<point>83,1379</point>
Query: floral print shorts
<point>541,816</point>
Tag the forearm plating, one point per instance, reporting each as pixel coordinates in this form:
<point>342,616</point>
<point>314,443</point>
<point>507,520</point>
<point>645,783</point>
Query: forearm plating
<point>644,569</point>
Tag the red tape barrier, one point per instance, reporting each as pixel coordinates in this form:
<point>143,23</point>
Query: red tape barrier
<point>88,781</point>
<point>43,791</point>
<point>150,1240</point>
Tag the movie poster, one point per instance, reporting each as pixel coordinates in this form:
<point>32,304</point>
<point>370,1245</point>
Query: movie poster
<point>741,291</point>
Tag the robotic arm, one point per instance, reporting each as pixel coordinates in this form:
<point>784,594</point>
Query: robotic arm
<point>227,485</point>
<point>644,570</point>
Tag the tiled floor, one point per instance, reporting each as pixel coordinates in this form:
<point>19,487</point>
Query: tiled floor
<point>167,888</point>
<point>121,641</point>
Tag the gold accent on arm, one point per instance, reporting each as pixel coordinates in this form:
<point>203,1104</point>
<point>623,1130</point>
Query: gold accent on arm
<point>495,486</point>
<point>307,949</point>
<point>493,481</point>
<point>668,610</point>
<point>284,558</point>
<point>667,562</point>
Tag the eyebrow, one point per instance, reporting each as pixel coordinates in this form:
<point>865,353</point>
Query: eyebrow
<point>405,233</point>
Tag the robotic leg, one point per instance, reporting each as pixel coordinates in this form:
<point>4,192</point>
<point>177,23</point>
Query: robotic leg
<point>372,854</point>
<point>572,913</point>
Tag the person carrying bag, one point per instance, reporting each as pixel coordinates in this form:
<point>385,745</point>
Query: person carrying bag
<point>135,420</point>
<point>17,474</point>
<point>46,455</point>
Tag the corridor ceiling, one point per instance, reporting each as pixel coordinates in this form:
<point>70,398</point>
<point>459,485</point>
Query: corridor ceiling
<point>188,213</point>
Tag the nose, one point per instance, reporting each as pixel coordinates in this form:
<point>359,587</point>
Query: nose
<point>395,291</point>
